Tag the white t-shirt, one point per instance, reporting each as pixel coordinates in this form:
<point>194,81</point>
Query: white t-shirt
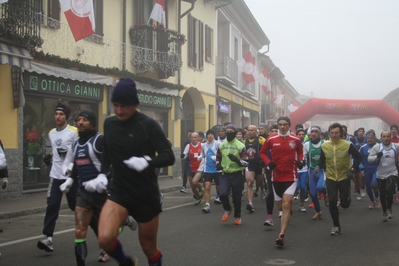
<point>61,140</point>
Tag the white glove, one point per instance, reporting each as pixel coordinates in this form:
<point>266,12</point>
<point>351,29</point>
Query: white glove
<point>199,158</point>
<point>69,169</point>
<point>213,158</point>
<point>244,163</point>
<point>98,184</point>
<point>4,182</point>
<point>137,163</point>
<point>66,185</point>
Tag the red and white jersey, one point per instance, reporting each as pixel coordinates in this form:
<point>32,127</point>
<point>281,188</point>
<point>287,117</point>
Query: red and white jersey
<point>192,152</point>
<point>285,152</point>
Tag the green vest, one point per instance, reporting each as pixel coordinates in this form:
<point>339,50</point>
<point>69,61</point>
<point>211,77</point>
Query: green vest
<point>338,160</point>
<point>314,154</point>
<point>234,147</point>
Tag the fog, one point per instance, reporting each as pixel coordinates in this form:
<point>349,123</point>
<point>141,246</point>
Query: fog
<point>336,49</point>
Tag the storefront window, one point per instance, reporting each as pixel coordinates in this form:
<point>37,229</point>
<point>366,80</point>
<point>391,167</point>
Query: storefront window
<point>38,121</point>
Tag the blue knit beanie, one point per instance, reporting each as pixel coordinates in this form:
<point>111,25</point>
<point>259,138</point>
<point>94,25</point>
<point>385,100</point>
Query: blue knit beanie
<point>125,92</point>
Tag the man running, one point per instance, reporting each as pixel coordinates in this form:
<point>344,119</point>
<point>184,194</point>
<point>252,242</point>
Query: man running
<point>254,171</point>
<point>336,158</point>
<point>230,160</point>
<point>312,151</point>
<point>192,153</point>
<point>211,173</point>
<point>370,169</point>
<point>287,157</point>
<point>61,138</point>
<point>134,145</point>
<point>385,153</point>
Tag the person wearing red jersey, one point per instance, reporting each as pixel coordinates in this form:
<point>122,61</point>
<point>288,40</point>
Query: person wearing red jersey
<point>287,157</point>
<point>193,153</point>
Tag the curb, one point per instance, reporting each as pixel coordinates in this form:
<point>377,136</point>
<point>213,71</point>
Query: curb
<point>30,211</point>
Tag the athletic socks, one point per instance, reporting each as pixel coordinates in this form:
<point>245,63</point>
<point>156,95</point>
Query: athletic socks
<point>117,252</point>
<point>157,260</point>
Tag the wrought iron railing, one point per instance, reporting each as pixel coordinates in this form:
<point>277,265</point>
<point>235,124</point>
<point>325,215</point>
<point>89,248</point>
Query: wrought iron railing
<point>20,22</point>
<point>156,49</point>
<point>227,67</point>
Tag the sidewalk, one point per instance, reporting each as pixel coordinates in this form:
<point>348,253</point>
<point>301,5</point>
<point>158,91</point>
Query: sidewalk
<point>31,203</point>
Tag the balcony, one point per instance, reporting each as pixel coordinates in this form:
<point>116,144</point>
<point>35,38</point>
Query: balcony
<point>20,22</point>
<point>227,70</point>
<point>156,49</point>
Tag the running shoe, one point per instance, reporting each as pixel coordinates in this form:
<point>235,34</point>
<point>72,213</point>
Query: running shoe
<point>362,193</point>
<point>268,222</point>
<point>183,190</point>
<point>130,262</point>
<point>103,256</point>
<point>358,197</point>
<point>217,200</point>
<point>237,220</point>
<point>131,223</point>
<point>307,198</point>
<point>46,245</point>
<point>384,217</point>
<point>198,202</point>
<point>296,197</point>
<point>206,209</point>
<point>390,215</point>
<point>226,215</point>
<point>317,216</point>
<point>326,201</point>
<point>302,208</point>
<point>250,208</point>
<point>201,194</point>
<point>320,195</point>
<point>280,240</point>
<point>280,213</point>
<point>311,205</point>
<point>372,205</point>
<point>161,197</point>
<point>263,195</point>
<point>378,203</point>
<point>335,231</point>
<point>394,198</point>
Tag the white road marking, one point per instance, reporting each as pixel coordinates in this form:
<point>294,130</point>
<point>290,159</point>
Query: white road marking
<point>73,229</point>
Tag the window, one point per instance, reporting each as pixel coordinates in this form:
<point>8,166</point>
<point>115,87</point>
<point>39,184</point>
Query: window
<point>53,14</point>
<point>195,43</point>
<point>98,13</point>
<point>142,11</point>
<point>208,44</point>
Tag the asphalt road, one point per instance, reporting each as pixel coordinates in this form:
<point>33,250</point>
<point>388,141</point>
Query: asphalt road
<point>189,237</point>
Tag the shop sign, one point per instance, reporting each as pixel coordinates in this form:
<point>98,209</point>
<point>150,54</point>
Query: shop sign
<point>64,87</point>
<point>223,108</point>
<point>154,100</point>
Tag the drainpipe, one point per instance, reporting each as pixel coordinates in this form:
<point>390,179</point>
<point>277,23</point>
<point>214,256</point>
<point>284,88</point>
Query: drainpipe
<point>124,35</point>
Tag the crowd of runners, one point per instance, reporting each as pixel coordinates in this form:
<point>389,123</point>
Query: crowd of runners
<point>281,166</point>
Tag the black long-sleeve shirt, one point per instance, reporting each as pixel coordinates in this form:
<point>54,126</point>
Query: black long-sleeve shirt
<point>139,136</point>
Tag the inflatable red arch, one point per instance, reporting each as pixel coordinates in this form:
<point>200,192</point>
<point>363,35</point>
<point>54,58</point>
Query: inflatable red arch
<point>345,109</point>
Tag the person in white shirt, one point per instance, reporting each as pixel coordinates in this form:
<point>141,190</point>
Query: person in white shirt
<point>61,138</point>
<point>387,172</point>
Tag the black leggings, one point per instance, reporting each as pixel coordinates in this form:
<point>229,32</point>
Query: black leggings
<point>270,194</point>
<point>344,194</point>
<point>386,188</point>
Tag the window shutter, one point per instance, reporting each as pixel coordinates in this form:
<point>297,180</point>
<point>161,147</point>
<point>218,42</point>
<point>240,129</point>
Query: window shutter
<point>201,46</point>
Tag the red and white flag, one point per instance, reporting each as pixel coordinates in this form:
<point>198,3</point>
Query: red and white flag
<point>264,81</point>
<point>80,16</point>
<point>158,12</point>
<point>293,106</point>
<point>247,68</point>
<point>279,98</point>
